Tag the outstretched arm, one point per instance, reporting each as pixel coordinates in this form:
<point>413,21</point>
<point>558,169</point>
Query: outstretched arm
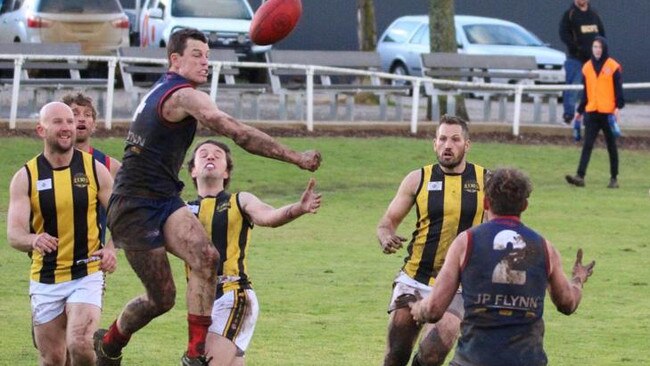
<point>199,105</point>
<point>399,207</point>
<point>565,294</point>
<point>263,214</point>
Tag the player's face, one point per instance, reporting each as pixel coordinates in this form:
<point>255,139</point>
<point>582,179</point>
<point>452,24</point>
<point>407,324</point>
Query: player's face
<point>58,129</point>
<point>193,64</point>
<point>210,163</point>
<point>450,146</point>
<point>84,121</point>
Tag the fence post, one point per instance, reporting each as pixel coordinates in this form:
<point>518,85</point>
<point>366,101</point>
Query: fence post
<point>110,93</point>
<point>415,106</point>
<point>519,89</point>
<point>15,91</point>
<point>310,98</point>
<point>214,84</point>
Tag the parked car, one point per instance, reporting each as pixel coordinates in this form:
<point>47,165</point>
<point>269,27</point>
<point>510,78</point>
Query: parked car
<point>100,26</point>
<point>407,37</point>
<point>224,22</point>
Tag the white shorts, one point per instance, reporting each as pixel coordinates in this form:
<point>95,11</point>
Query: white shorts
<point>405,285</point>
<point>234,315</point>
<point>49,300</point>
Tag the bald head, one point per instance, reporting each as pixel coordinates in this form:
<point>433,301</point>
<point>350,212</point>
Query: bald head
<point>54,110</point>
<point>57,127</point>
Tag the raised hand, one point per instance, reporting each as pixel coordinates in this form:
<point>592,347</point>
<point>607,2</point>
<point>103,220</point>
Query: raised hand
<point>310,160</point>
<point>310,200</point>
<point>581,272</point>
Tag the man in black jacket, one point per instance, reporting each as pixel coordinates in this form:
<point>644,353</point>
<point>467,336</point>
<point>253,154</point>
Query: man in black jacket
<point>579,26</point>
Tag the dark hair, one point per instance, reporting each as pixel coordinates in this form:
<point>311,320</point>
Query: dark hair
<point>507,190</point>
<point>229,163</point>
<point>178,40</point>
<point>453,120</point>
<point>80,99</point>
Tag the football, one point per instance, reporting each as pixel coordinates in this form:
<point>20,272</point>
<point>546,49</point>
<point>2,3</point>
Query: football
<point>274,20</point>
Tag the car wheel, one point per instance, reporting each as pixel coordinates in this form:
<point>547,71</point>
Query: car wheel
<point>399,69</point>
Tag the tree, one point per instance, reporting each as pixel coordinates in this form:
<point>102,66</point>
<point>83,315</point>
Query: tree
<point>442,38</point>
<point>367,28</point>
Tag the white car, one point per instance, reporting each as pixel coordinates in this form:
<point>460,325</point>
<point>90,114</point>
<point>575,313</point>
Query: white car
<point>224,22</point>
<point>407,37</point>
<point>99,26</point>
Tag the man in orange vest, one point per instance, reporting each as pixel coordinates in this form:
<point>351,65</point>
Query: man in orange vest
<point>602,97</point>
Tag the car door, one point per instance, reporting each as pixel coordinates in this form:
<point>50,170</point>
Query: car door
<point>152,22</point>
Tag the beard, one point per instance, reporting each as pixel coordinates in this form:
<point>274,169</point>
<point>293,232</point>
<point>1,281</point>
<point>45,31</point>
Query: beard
<point>450,162</point>
<point>57,147</point>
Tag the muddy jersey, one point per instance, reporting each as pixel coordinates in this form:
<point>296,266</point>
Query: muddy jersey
<point>155,148</point>
<point>504,278</point>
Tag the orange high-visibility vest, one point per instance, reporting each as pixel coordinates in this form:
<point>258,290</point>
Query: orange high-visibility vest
<point>601,97</point>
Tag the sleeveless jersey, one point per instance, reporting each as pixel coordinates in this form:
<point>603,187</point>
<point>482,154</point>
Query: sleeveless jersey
<point>230,231</point>
<point>155,148</point>
<point>601,96</point>
<point>504,278</point>
<point>106,160</point>
<point>446,204</point>
<point>64,204</point>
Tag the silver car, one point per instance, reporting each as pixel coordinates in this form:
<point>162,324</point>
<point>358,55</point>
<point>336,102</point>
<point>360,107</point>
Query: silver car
<point>407,37</point>
<point>100,26</point>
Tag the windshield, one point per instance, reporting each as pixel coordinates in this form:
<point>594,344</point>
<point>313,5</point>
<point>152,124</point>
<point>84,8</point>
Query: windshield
<point>79,6</point>
<point>233,9</point>
<point>498,34</point>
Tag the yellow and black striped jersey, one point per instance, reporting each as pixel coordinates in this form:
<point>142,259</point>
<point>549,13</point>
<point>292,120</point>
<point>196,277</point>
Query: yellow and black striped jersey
<point>230,231</point>
<point>64,204</point>
<point>446,205</point>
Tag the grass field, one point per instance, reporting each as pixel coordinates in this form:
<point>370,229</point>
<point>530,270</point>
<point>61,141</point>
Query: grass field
<point>323,284</point>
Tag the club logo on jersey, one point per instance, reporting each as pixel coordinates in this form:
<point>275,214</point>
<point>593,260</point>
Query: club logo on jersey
<point>44,184</point>
<point>471,186</point>
<point>435,186</point>
<point>80,180</point>
<point>223,206</point>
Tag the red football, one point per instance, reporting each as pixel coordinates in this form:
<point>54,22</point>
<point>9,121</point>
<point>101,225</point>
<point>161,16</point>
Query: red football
<point>274,20</point>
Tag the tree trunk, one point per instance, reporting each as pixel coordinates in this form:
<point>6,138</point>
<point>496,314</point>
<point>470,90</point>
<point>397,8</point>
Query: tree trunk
<point>442,38</point>
<point>366,29</point>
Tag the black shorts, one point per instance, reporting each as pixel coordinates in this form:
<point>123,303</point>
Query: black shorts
<point>136,223</point>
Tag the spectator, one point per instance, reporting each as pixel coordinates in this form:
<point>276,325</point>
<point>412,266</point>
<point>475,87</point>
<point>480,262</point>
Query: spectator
<point>579,26</point>
<point>602,98</point>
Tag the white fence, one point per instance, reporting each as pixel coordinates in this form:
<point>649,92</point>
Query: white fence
<point>518,90</point>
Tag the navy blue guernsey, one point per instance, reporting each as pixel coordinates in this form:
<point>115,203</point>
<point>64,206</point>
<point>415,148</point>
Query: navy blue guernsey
<point>504,279</point>
<point>155,148</point>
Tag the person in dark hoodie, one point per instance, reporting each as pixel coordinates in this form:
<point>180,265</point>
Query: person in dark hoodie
<point>602,97</point>
<point>579,27</point>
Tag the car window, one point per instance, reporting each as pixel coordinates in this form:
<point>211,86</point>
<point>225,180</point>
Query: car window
<point>234,9</point>
<point>422,35</point>
<point>401,31</point>
<point>79,6</point>
<point>498,34</point>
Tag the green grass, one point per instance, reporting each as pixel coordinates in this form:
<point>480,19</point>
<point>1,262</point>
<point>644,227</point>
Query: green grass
<point>323,284</point>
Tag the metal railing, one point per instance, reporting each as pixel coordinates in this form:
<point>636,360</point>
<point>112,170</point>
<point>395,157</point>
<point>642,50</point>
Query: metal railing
<point>518,90</point>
